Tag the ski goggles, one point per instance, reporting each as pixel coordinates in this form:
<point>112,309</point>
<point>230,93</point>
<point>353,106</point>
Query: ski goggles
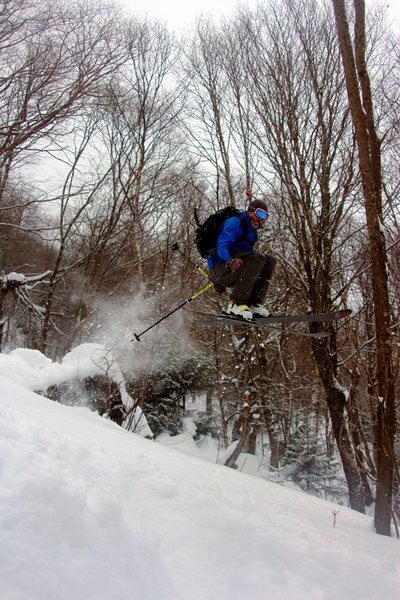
<point>262,214</point>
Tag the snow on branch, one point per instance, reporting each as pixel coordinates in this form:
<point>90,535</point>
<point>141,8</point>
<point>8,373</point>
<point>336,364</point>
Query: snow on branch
<point>15,280</point>
<point>20,285</point>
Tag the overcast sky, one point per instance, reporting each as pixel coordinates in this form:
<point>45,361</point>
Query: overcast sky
<point>181,13</point>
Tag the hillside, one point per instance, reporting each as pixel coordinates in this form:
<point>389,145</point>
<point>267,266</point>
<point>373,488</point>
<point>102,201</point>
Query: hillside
<point>92,512</point>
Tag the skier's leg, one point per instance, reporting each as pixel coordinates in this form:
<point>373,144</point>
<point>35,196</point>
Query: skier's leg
<point>221,275</point>
<point>261,284</point>
<point>254,264</point>
<point>250,285</point>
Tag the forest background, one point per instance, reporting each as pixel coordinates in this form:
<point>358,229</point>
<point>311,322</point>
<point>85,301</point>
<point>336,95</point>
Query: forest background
<point>113,129</point>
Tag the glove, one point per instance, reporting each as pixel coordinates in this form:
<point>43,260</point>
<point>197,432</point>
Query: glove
<point>220,289</point>
<point>235,264</point>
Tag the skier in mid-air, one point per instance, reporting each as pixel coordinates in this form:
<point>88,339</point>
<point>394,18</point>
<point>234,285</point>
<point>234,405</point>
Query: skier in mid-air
<point>227,239</point>
<point>235,265</point>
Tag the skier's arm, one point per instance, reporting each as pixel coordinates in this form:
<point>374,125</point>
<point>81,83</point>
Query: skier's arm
<point>230,235</point>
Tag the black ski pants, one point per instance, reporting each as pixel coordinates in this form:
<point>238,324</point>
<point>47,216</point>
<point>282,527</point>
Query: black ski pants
<point>250,285</point>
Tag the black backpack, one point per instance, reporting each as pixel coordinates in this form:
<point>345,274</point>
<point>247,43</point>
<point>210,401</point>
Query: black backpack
<point>207,233</point>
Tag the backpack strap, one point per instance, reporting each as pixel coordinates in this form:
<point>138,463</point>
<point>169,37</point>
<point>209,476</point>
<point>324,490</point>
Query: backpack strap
<point>196,217</point>
<point>245,227</point>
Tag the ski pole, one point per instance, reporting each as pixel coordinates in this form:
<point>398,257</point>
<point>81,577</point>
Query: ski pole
<point>175,247</point>
<point>220,289</point>
<point>193,297</point>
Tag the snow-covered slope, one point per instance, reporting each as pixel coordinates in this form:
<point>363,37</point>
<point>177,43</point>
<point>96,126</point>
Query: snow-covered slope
<point>90,511</point>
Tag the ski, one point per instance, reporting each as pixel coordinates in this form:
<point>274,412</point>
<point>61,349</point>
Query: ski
<point>273,319</point>
<point>306,318</point>
<point>227,320</point>
<point>212,319</point>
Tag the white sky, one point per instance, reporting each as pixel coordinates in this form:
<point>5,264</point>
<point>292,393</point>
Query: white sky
<point>181,13</point>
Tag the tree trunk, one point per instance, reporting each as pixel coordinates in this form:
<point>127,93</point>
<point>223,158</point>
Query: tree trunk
<point>325,355</point>
<point>231,461</point>
<point>272,437</point>
<point>209,403</point>
<point>361,106</point>
<point>336,401</point>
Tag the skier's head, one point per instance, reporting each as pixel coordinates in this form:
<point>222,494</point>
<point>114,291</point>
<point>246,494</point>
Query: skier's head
<point>258,212</point>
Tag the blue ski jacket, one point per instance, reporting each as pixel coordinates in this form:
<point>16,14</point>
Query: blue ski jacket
<point>236,235</point>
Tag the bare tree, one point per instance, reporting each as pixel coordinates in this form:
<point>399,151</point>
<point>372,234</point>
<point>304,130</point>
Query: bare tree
<point>218,110</point>
<point>53,59</point>
<point>55,63</point>
<point>140,131</point>
<point>303,129</point>
<point>19,288</point>
<point>360,97</point>
<point>75,198</point>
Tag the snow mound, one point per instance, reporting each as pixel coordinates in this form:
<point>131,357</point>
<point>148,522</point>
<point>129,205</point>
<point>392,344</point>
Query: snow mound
<point>93,512</point>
